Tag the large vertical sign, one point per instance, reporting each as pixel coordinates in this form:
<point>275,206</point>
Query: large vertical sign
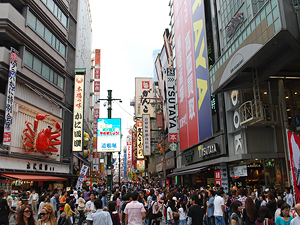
<point>186,82</point>
<point>10,96</point>
<point>146,134</point>
<point>294,150</point>
<point>172,109</point>
<point>78,113</point>
<point>134,144</point>
<point>139,137</point>
<point>143,94</point>
<point>109,135</point>
<point>96,91</point>
<point>81,177</point>
<point>202,70</point>
<point>96,117</point>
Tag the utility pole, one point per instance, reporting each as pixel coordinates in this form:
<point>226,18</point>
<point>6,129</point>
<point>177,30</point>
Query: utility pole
<point>109,154</point>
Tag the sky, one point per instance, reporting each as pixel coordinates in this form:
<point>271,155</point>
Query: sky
<point>127,32</point>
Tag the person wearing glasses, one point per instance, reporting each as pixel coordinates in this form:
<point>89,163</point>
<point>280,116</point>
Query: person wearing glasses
<point>25,216</point>
<point>47,215</point>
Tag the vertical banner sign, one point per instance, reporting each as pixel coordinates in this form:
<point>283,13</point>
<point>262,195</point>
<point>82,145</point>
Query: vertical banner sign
<point>172,105</point>
<point>96,90</point>
<point>134,142</point>
<point>139,143</point>
<point>96,117</point>
<point>294,150</point>
<point>78,113</point>
<point>140,165</point>
<point>109,135</point>
<point>168,47</point>
<point>146,134</point>
<point>129,149</point>
<point>10,96</point>
<point>81,177</point>
<point>143,94</point>
<point>218,177</point>
<point>224,177</point>
<point>201,65</point>
<point>185,72</point>
<point>97,56</point>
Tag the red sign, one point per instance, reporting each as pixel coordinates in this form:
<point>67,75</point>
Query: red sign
<point>173,137</point>
<point>96,155</point>
<point>97,86</point>
<point>97,73</point>
<point>218,177</point>
<point>7,137</point>
<point>185,70</point>
<point>88,181</point>
<point>97,56</point>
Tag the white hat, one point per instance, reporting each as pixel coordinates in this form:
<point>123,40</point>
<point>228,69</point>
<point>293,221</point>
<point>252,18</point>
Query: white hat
<point>267,189</point>
<point>174,198</point>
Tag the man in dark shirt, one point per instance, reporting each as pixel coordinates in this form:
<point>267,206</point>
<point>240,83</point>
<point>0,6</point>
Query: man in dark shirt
<point>4,209</point>
<point>195,215</point>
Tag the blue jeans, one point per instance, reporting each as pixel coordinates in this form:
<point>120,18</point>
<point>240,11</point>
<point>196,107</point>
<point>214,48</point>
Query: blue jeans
<point>182,222</point>
<point>219,220</point>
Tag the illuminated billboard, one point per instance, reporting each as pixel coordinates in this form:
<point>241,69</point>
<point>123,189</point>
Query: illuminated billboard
<point>109,135</point>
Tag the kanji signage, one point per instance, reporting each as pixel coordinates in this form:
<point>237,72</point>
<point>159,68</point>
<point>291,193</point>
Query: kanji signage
<point>96,117</point>
<point>82,177</point>
<point>140,165</point>
<point>109,135</point>
<point>172,109</point>
<point>129,149</point>
<point>146,134</point>
<point>78,113</point>
<point>10,97</point>
<point>139,133</point>
<point>143,94</point>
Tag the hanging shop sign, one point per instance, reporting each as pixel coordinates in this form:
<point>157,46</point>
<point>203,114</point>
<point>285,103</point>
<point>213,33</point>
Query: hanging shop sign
<point>218,177</point>
<point>43,141</point>
<point>224,177</point>
<point>146,134</point>
<point>78,113</point>
<point>172,105</point>
<point>129,149</point>
<point>143,94</point>
<point>140,164</point>
<point>82,177</point>
<point>207,150</point>
<point>109,135</point>
<point>11,88</point>
<point>139,142</point>
<point>238,171</point>
<point>173,147</point>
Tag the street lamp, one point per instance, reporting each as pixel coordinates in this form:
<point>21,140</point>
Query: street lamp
<point>109,155</point>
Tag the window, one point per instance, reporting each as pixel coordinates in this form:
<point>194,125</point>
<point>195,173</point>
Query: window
<point>62,49</point>
<point>48,36</point>
<point>54,78</point>
<point>37,65</point>
<point>40,28</point>
<point>46,72</point>
<point>31,20</point>
<point>54,8</point>
<point>50,4</point>
<point>28,59</point>
<point>60,82</point>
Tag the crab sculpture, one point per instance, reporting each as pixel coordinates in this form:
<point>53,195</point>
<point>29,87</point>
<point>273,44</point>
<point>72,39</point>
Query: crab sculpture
<point>43,141</point>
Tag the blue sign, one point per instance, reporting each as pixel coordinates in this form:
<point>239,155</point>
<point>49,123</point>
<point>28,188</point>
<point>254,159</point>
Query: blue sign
<point>201,69</point>
<point>109,135</point>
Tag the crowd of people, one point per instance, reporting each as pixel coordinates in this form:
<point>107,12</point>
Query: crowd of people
<point>145,204</point>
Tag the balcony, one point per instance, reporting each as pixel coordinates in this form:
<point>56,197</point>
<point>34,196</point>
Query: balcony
<point>255,112</point>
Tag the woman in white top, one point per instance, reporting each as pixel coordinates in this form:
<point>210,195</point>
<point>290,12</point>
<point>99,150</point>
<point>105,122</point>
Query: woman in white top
<point>170,218</point>
<point>156,207</point>
<point>182,214</point>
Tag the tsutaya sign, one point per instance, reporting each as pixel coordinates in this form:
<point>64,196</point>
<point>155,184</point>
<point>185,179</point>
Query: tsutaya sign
<point>172,105</point>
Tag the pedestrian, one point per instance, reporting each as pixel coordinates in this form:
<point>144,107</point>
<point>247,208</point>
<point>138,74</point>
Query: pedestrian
<point>219,211</point>
<point>113,213</point>
<point>296,221</point>
<point>236,209</point>
<point>284,218</point>
<point>25,216</point>
<point>134,211</point>
<point>104,199</point>
<point>278,210</point>
<point>288,198</point>
<point>81,207</point>
<point>54,202</point>
<point>34,197</point>
<point>263,216</point>
<point>127,199</point>
<point>90,208</point>
<point>100,217</point>
<point>62,201</point>
<point>182,213</point>
<point>243,197</point>
<point>170,218</point>
<point>271,204</point>
<point>47,215</point>
<point>255,201</point>
<point>196,212</point>
<point>42,198</point>
<point>68,211</point>
<point>250,212</point>
<point>156,207</point>
<point>210,207</point>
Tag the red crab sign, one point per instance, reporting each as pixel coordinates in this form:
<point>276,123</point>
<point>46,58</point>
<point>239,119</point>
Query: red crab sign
<point>43,141</point>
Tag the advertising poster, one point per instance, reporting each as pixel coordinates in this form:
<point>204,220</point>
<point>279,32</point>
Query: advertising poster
<point>185,71</point>
<point>146,134</point>
<point>81,177</point>
<point>78,113</point>
<point>238,171</point>
<point>109,135</point>
<point>143,94</point>
<point>140,165</point>
<point>11,88</point>
<point>294,150</point>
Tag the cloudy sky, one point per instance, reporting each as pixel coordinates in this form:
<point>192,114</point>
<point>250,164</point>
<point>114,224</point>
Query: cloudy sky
<point>127,32</point>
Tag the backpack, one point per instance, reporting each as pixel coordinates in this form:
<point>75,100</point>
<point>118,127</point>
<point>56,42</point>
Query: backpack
<point>150,212</point>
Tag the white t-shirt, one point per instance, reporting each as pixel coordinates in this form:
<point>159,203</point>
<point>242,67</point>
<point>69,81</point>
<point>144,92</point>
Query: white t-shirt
<point>168,214</point>
<point>219,201</point>
<point>182,214</point>
<point>90,205</point>
<point>295,221</point>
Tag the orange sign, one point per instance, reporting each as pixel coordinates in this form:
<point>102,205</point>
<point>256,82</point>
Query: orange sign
<point>97,56</point>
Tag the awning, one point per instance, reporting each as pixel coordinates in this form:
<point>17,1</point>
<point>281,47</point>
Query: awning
<point>186,172</point>
<point>33,177</point>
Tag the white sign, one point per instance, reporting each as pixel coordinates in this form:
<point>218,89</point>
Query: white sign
<point>173,147</point>
<point>78,113</point>
<point>140,165</point>
<point>129,151</point>
<point>159,167</point>
<point>109,135</point>
<point>11,88</point>
<point>81,177</point>
<point>139,136</point>
<point>224,178</point>
<point>238,171</point>
<point>146,134</point>
<point>143,94</point>
<point>172,109</point>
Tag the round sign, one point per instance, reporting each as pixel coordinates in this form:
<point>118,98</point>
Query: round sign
<point>173,147</point>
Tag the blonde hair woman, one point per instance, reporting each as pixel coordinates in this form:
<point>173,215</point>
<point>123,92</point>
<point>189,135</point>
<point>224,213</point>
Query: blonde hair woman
<point>47,215</point>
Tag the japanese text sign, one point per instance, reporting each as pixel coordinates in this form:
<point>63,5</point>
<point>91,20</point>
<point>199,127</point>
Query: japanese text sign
<point>143,94</point>
<point>146,134</point>
<point>109,135</point>
<point>81,177</point>
<point>139,137</point>
<point>140,164</point>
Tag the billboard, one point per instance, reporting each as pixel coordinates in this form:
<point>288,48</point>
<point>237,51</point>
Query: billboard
<point>146,134</point>
<point>143,93</point>
<point>194,115</point>
<point>78,113</point>
<point>109,135</point>
<point>139,137</point>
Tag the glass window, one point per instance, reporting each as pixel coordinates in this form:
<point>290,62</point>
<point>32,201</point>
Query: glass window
<point>64,20</point>
<point>48,36</point>
<point>268,8</point>
<point>269,19</point>
<point>50,5</point>
<point>51,76</point>
<point>275,13</point>
<point>55,8</point>
<point>277,25</point>
<point>45,1</point>
<point>252,25</point>
<point>62,49</point>
<point>28,59</point>
<point>59,14</point>
<point>40,28</point>
<point>31,20</point>
<point>60,82</point>
<point>53,41</point>
<point>54,78</point>
<point>57,45</point>
<point>37,65</point>
<point>273,3</point>
<point>46,72</point>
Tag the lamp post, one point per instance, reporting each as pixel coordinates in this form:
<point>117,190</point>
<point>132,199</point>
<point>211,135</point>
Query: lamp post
<point>109,155</point>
